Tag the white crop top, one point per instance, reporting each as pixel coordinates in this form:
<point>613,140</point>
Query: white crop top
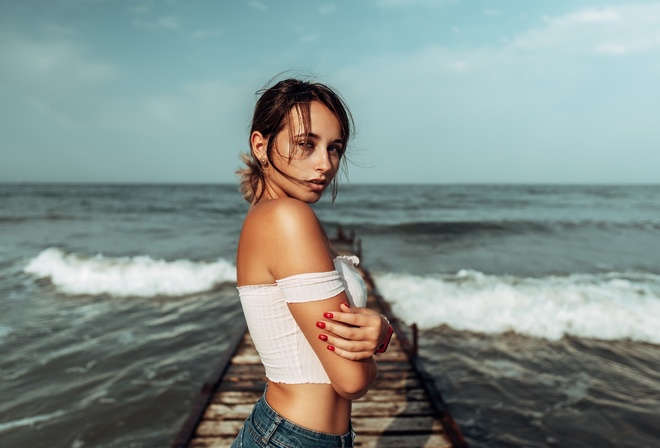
<point>284,351</point>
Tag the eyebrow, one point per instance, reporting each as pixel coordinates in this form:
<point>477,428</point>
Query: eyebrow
<point>313,135</point>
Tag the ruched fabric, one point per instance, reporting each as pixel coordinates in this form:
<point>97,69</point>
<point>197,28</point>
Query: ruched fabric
<point>311,286</point>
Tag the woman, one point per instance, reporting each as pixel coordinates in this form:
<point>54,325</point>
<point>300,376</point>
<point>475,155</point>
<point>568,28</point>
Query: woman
<point>303,303</point>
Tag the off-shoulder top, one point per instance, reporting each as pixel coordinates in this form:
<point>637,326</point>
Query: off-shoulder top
<point>285,353</point>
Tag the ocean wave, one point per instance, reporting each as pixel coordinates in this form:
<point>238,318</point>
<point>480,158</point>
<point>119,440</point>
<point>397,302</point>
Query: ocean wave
<point>4,331</point>
<point>494,227</point>
<point>128,276</point>
<point>48,217</point>
<point>29,421</point>
<point>609,306</point>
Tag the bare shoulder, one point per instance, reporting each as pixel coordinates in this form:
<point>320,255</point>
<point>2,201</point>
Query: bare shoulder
<point>284,211</point>
<point>286,234</point>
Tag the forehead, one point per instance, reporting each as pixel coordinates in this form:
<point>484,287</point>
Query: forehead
<point>314,117</point>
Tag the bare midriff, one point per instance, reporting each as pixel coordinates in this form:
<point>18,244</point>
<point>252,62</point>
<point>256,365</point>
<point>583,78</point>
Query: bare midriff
<point>313,406</point>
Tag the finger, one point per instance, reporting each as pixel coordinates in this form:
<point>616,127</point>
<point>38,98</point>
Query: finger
<point>345,307</point>
<point>352,318</point>
<point>344,331</point>
<point>353,356</point>
<point>347,344</point>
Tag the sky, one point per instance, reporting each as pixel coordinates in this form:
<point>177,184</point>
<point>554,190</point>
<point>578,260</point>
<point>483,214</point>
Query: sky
<point>445,91</point>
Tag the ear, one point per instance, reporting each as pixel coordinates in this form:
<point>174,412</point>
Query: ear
<point>259,144</point>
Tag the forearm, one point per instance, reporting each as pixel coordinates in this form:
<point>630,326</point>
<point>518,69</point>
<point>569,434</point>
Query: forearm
<point>354,386</point>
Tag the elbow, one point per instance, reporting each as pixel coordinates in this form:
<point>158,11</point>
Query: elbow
<point>356,386</point>
<point>353,393</point>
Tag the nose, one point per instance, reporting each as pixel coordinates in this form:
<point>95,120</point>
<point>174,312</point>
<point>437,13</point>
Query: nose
<point>323,163</point>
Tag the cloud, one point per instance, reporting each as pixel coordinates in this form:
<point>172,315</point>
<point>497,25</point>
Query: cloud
<point>51,74</point>
<point>490,12</point>
<point>559,52</point>
<point>590,15</point>
<point>258,5</point>
<point>605,31</point>
<point>48,66</point>
<point>548,93</point>
<point>199,104</point>
<point>164,22</point>
<point>408,3</point>
<point>327,9</point>
<point>60,30</point>
<point>204,34</point>
<point>305,37</point>
<point>140,9</point>
<point>614,49</point>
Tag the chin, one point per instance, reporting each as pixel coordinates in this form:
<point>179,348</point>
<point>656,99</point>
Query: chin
<point>311,198</point>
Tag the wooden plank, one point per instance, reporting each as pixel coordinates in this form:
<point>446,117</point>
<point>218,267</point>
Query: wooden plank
<point>212,442</point>
<point>236,397</point>
<point>366,441</point>
<point>408,441</point>
<point>394,395</point>
<point>228,411</point>
<point>246,358</point>
<point>253,386</point>
<point>398,425</point>
<point>225,428</point>
<point>391,408</point>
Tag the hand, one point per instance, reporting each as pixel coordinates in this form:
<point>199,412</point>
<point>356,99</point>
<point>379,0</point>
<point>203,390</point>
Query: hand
<point>353,333</point>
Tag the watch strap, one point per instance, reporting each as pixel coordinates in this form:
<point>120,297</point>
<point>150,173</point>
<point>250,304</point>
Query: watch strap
<point>382,347</point>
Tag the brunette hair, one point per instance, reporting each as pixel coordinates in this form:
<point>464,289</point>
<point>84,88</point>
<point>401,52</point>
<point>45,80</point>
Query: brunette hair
<point>271,114</point>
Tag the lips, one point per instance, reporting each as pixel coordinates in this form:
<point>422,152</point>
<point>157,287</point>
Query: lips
<point>317,184</point>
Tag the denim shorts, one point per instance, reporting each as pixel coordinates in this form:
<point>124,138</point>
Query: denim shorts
<point>266,428</point>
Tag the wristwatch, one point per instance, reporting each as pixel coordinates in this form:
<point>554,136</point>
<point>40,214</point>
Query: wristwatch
<point>382,347</point>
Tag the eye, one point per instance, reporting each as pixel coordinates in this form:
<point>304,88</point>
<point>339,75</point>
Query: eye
<point>306,144</point>
<point>335,148</point>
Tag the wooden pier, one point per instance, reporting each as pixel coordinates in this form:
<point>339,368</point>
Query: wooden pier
<point>403,409</point>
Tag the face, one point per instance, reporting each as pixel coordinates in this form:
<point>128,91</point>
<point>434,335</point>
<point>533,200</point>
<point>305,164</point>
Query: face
<point>309,160</point>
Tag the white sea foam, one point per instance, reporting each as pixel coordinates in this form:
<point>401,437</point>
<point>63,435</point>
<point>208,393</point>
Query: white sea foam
<point>128,276</point>
<point>29,421</point>
<point>601,306</point>
<point>4,331</point>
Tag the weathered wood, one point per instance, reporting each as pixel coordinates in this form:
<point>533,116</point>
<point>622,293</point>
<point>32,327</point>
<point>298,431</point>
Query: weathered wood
<point>366,441</point>
<point>212,428</point>
<point>396,424</point>
<point>406,395</point>
<point>390,408</point>
<point>400,410</point>
<point>236,397</point>
<point>406,441</point>
<point>212,442</point>
<point>227,411</point>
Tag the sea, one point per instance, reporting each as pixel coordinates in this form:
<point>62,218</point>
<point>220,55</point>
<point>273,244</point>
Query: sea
<point>538,305</point>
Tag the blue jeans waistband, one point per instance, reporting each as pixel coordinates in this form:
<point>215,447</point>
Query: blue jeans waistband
<point>268,428</point>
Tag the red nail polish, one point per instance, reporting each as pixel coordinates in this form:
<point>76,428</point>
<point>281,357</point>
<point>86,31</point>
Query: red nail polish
<point>323,337</point>
<point>346,304</point>
<point>328,315</point>
<point>331,348</point>
<point>320,324</point>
